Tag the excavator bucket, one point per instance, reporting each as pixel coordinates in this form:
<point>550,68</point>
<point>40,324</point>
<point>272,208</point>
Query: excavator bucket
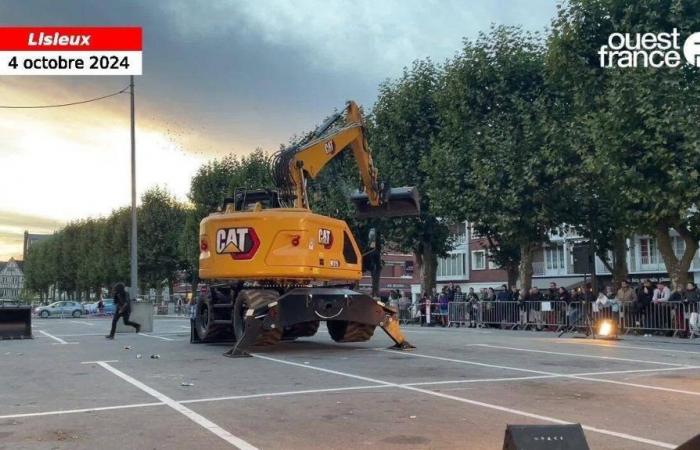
<point>396,202</point>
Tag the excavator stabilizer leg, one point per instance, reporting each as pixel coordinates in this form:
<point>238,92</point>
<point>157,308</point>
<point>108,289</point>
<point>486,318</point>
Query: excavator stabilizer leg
<point>253,327</point>
<point>390,325</point>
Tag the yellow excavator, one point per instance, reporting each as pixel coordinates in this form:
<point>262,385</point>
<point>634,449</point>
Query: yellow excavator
<point>274,270</point>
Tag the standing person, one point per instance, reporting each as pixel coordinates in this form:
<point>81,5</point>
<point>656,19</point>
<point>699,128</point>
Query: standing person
<point>535,300</point>
<point>122,309</point>
<point>473,308</point>
<point>692,307</point>
<point>645,293</point>
<point>444,301</point>
<point>101,306</point>
<point>660,306</point>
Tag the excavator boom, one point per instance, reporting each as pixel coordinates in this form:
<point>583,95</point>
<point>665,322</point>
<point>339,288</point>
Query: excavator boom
<point>344,130</point>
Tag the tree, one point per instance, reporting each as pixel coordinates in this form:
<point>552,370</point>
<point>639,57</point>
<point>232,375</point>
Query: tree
<point>492,163</point>
<point>160,220</point>
<point>403,126</point>
<point>637,135</point>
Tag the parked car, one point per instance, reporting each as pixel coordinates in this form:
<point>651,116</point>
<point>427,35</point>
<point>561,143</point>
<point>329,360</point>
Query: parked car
<point>109,308</point>
<point>65,308</point>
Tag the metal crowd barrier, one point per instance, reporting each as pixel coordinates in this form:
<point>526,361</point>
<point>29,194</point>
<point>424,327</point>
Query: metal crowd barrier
<point>538,315</point>
<point>668,317</point>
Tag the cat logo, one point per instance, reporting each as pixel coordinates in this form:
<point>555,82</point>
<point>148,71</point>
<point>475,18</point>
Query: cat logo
<point>325,238</point>
<point>240,243</point>
<point>329,147</point>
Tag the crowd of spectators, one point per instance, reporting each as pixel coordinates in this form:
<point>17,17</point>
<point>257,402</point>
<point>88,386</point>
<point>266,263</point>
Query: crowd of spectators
<point>681,303</point>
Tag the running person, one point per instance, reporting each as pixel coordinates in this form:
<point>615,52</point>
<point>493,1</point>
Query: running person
<point>123,309</point>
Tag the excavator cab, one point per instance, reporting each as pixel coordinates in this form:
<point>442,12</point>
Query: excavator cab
<point>396,202</point>
<point>246,199</point>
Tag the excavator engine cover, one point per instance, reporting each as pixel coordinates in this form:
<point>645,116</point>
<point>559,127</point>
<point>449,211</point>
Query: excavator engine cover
<point>397,202</point>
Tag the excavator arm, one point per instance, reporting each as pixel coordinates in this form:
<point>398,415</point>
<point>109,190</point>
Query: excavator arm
<point>293,166</point>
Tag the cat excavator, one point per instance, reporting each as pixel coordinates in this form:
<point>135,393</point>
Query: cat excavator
<point>273,269</point>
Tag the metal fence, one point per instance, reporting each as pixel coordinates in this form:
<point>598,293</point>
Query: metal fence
<point>676,318</point>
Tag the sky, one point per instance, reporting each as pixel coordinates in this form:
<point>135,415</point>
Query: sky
<point>218,78</point>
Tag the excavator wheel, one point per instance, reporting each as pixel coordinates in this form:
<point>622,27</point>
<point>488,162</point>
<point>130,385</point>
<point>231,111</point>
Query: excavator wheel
<point>300,330</point>
<point>253,298</point>
<point>204,326</point>
<point>344,331</point>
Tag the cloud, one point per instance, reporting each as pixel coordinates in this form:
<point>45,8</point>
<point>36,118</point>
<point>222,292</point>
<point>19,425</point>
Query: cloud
<point>13,226</point>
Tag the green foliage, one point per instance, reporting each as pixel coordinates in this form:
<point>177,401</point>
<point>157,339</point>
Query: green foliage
<point>160,223</point>
<point>632,130</point>
<point>87,255</point>
<point>403,125</point>
<point>492,163</point>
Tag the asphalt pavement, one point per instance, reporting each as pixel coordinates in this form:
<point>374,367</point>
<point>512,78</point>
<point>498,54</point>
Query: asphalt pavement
<point>70,388</point>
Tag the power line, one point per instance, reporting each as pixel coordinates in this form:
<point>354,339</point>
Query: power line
<point>64,104</point>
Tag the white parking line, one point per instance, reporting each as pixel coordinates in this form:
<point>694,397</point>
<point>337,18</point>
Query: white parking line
<point>580,355</point>
<point>616,346</point>
<point>540,377</point>
<point>74,411</point>
<point>473,402</point>
<point>320,391</point>
<point>558,375</point>
<point>57,339</point>
<point>185,411</point>
<point>156,337</point>
<point>281,394</point>
<point>82,323</point>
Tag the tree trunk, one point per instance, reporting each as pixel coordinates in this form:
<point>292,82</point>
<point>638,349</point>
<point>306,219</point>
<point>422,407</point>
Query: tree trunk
<point>427,262</point>
<point>619,271</point>
<point>526,254</point>
<point>677,269</point>
<point>513,272</point>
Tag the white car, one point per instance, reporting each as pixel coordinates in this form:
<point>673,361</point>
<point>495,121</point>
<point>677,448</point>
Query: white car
<point>61,309</point>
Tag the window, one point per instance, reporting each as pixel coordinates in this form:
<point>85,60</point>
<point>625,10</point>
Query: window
<point>678,246</point>
<point>647,251</point>
<point>554,257</point>
<point>479,260</point>
<point>451,266</point>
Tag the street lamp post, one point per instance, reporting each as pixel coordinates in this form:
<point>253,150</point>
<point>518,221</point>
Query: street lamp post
<point>134,289</point>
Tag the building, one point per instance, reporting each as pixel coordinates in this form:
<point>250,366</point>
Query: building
<point>468,265</point>
<point>11,279</point>
<point>398,273</point>
<point>31,239</point>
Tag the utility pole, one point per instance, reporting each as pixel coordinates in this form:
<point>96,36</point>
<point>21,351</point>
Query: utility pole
<point>134,289</point>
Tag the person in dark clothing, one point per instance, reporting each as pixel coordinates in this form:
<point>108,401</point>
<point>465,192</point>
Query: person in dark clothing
<point>640,308</point>
<point>122,309</point>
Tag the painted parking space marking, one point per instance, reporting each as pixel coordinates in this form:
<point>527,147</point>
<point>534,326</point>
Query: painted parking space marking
<point>558,375</point>
<point>284,394</point>
<point>185,411</point>
<point>84,410</point>
<point>156,337</point>
<point>473,402</point>
<point>631,347</point>
<point>57,339</point>
<point>579,355</point>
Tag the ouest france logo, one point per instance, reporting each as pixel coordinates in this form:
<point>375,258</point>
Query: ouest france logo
<point>650,50</point>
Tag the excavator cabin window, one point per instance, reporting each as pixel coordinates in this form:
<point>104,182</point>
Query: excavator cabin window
<point>348,250</point>
<point>244,199</point>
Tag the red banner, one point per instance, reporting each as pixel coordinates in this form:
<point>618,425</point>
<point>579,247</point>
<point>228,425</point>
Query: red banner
<point>70,38</point>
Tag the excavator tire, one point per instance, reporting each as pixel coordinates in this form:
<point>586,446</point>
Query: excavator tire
<point>344,331</point>
<point>253,298</point>
<point>300,330</point>
<point>204,323</point>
